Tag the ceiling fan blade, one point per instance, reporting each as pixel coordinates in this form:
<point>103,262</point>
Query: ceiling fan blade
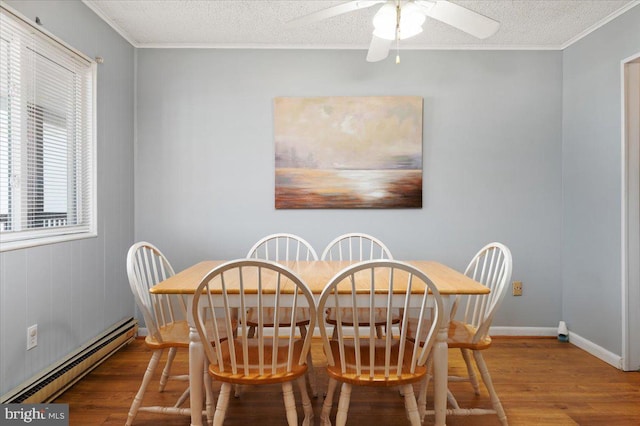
<point>334,11</point>
<point>378,49</point>
<point>459,17</point>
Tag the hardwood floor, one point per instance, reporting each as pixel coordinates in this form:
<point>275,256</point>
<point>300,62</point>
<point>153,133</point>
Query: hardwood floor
<point>539,381</point>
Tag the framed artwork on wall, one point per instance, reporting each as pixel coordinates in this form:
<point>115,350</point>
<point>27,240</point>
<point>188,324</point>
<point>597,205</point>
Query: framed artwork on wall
<point>348,152</point>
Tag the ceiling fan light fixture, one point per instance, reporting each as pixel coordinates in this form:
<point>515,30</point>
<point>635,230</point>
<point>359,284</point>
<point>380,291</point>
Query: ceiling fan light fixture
<point>390,33</point>
<point>411,16</point>
<point>385,21</point>
<point>385,33</point>
<point>407,31</point>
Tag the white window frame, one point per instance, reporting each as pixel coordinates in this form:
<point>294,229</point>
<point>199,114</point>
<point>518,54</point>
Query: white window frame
<point>59,232</point>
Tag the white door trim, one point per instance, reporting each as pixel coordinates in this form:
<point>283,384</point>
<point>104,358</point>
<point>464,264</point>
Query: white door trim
<point>630,121</point>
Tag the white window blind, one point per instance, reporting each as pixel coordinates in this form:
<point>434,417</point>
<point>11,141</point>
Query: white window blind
<point>47,137</point>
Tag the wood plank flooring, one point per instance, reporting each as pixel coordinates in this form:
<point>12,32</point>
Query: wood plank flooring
<point>540,382</point>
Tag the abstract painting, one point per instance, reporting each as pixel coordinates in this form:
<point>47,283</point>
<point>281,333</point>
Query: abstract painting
<point>348,152</point>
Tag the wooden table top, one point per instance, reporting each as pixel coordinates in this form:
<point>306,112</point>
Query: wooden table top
<point>316,274</point>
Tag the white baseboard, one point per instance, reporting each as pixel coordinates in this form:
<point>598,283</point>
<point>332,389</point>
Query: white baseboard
<point>523,331</point>
<point>596,350</point>
<point>579,341</point>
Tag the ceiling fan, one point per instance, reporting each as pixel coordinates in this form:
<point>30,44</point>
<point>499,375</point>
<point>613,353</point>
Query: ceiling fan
<point>400,19</point>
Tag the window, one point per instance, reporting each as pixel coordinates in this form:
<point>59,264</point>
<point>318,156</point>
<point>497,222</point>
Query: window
<point>47,137</point>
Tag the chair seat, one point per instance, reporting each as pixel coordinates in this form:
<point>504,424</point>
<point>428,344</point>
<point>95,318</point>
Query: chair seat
<point>346,316</point>
<point>252,375</point>
<point>378,378</point>
<point>461,336</point>
<point>176,335</point>
<point>284,315</point>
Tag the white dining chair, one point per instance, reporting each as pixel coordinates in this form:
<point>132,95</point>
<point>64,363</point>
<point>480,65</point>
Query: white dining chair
<point>243,360</point>
<point>282,247</point>
<point>165,319</point>
<point>469,330</point>
<point>364,359</point>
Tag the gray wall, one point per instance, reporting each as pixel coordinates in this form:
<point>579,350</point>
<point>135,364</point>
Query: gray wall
<point>591,176</point>
<point>204,173</point>
<point>76,290</point>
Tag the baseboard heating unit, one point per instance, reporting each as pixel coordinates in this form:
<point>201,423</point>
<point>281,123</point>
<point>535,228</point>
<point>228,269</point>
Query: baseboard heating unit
<point>55,379</point>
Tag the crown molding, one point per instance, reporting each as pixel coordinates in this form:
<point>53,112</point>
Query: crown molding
<point>600,24</point>
<point>96,9</point>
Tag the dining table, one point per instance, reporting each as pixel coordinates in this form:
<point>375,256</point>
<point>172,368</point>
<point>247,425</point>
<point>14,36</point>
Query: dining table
<point>316,274</point>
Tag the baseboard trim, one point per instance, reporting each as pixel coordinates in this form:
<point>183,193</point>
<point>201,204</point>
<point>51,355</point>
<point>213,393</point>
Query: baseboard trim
<point>46,385</point>
<point>577,340</point>
<point>523,331</point>
<point>596,350</point>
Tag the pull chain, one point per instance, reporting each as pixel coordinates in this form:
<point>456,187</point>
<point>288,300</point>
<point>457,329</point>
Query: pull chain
<point>398,32</point>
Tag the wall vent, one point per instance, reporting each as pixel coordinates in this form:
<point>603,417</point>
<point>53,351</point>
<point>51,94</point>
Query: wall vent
<point>54,380</point>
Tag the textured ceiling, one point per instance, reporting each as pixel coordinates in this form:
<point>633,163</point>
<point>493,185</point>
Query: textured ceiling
<point>525,24</point>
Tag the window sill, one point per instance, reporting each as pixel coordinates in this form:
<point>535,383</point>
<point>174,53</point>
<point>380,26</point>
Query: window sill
<point>36,242</point>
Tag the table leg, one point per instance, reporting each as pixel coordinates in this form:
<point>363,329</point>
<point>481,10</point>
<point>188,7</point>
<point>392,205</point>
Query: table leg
<point>196,370</point>
<point>440,370</point>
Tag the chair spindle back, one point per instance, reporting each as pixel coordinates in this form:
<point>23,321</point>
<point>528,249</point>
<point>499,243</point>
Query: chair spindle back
<point>273,286</point>
<point>146,267</point>
<point>282,247</point>
<point>406,289</point>
<point>356,246</point>
<point>491,266</point>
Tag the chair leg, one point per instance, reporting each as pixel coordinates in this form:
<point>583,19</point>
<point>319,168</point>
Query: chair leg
<point>306,402</point>
<point>208,392</point>
<point>137,400</point>
<point>343,404</point>
<point>422,397</point>
<point>183,397</point>
<point>470,371</point>
<point>411,405</point>
<point>328,402</point>
<point>252,332</point>
<point>167,368</point>
<point>486,378</point>
<point>310,370</point>
<point>379,332</point>
<point>313,383</point>
<point>389,330</point>
<point>290,404</point>
<point>424,385</point>
<point>223,403</point>
<point>451,399</point>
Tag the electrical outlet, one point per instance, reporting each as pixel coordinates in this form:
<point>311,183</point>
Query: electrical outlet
<point>32,336</point>
<point>517,288</point>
